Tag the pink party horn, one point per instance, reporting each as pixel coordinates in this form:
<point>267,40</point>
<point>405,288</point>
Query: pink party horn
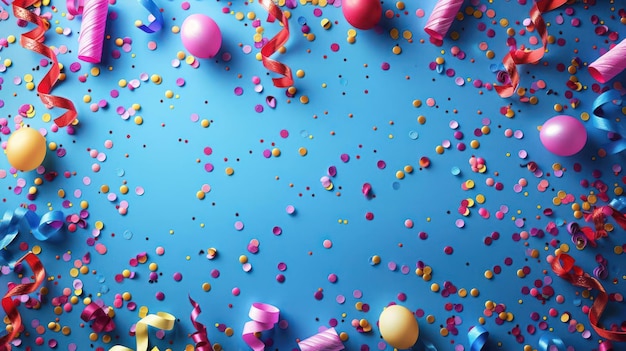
<point>92,29</point>
<point>327,340</point>
<point>442,17</point>
<point>610,64</point>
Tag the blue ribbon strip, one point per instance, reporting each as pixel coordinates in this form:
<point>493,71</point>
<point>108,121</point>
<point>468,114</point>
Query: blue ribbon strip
<point>605,106</point>
<point>154,10</point>
<point>24,221</point>
<point>477,337</point>
<point>547,339</point>
<point>618,203</point>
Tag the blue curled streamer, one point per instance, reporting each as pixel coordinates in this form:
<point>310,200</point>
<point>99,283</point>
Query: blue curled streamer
<point>423,345</point>
<point>618,203</point>
<point>24,221</point>
<point>547,339</point>
<point>606,105</point>
<point>477,337</point>
<point>154,10</point>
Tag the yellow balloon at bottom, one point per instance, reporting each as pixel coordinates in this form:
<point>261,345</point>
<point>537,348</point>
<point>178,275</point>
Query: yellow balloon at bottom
<point>26,149</point>
<point>398,327</point>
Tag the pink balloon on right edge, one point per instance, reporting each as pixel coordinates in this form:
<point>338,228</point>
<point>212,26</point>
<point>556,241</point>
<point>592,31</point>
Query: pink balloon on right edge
<point>563,135</point>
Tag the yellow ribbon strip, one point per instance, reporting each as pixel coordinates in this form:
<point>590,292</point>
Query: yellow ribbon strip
<point>161,320</point>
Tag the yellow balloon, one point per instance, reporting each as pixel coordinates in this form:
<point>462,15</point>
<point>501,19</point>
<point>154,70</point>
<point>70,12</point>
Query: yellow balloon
<point>398,327</point>
<point>26,149</point>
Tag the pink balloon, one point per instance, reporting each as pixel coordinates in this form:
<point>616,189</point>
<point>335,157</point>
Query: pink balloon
<point>563,135</point>
<point>362,14</point>
<point>201,36</point>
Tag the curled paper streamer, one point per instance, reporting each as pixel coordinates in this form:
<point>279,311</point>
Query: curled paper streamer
<point>327,340</point>
<point>581,235</point>
<point>477,337</point>
<point>10,308</point>
<point>610,64</point>
<point>161,320</point>
<point>606,108</point>
<point>274,44</point>
<point>25,221</point>
<point>547,340</point>
<point>200,336</point>
<point>33,40</point>
<point>154,25</point>
<point>92,29</point>
<point>75,7</point>
<point>263,317</point>
<point>519,56</point>
<point>563,266</point>
<point>99,318</point>
<point>441,18</point>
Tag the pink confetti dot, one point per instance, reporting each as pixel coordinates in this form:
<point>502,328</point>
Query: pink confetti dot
<point>327,244</point>
<point>160,296</point>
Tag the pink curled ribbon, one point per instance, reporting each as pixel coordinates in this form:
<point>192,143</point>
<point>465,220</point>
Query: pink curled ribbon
<point>157,23</point>
<point>274,44</point>
<point>160,320</point>
<point>33,40</point>
<point>95,313</point>
<point>521,56</point>
<point>75,7</point>
<point>91,39</point>
<point>441,19</point>
<point>200,336</point>
<point>10,308</point>
<point>327,340</point>
<point>610,64</point>
<point>264,317</point>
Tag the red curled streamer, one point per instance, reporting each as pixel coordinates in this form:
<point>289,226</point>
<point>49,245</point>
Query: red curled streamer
<point>17,290</point>
<point>33,41</point>
<point>274,44</point>
<point>520,56</point>
<point>101,320</point>
<point>200,337</point>
<point>599,215</point>
<point>563,266</point>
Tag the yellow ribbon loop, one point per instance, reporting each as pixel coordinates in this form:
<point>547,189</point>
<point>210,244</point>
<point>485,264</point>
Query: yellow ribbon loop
<point>161,320</point>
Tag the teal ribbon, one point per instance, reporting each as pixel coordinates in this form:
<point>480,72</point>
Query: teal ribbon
<point>25,221</point>
<point>477,337</point>
<point>606,107</point>
<point>546,340</point>
<point>154,10</point>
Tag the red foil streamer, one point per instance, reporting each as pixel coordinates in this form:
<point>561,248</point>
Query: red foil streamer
<point>563,266</point>
<point>10,308</point>
<point>599,215</point>
<point>33,40</point>
<point>520,56</point>
<point>274,44</point>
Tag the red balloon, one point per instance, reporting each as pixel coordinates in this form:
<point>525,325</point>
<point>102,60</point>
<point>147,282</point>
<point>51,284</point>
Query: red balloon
<point>362,14</point>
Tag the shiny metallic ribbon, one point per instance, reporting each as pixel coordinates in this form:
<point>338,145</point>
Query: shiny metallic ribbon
<point>101,321</point>
<point>327,340</point>
<point>155,25</point>
<point>264,317</point>
<point>161,320</point>
<point>274,44</point>
<point>477,337</point>
<point>563,266</point>
<point>92,28</point>
<point>25,221</point>
<point>546,340</point>
<point>200,336</point>
<point>75,7</point>
<point>10,308</point>
<point>516,56</point>
<point>33,40</point>
<point>606,108</point>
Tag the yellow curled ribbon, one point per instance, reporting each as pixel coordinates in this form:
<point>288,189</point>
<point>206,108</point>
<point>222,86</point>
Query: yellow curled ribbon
<point>161,320</point>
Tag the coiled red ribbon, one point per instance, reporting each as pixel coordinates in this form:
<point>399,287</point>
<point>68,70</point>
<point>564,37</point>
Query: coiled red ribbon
<point>563,266</point>
<point>33,40</point>
<point>599,215</point>
<point>101,320</point>
<point>274,44</point>
<point>200,336</point>
<point>10,307</point>
<point>520,56</point>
